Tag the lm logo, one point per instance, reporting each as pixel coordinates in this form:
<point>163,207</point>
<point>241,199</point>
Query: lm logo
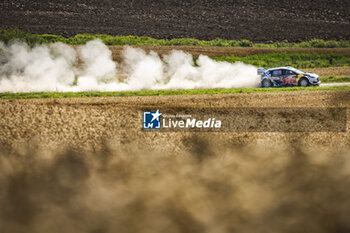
<point>151,120</point>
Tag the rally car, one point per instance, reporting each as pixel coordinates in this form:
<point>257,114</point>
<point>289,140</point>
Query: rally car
<point>287,76</point>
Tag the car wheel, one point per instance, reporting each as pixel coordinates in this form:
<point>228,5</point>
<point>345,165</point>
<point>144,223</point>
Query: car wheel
<point>266,83</point>
<point>304,82</point>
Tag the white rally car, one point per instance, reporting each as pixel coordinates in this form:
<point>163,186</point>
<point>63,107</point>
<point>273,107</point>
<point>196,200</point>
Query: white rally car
<point>287,76</point>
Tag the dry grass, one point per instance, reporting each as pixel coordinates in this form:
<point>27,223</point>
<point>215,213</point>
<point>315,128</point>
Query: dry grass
<point>225,51</point>
<point>117,178</point>
<point>336,71</point>
<point>87,122</point>
<point>206,189</point>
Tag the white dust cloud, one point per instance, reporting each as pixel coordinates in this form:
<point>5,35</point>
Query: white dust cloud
<point>59,67</point>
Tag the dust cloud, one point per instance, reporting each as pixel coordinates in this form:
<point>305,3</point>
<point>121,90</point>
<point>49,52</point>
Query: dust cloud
<point>59,67</point>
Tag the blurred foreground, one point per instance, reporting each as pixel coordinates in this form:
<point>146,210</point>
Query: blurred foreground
<point>207,189</point>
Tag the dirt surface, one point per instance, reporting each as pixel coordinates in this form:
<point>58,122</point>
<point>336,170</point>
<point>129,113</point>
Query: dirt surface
<point>345,70</point>
<point>240,51</point>
<point>224,51</point>
<point>87,123</point>
<point>261,21</point>
<point>335,84</point>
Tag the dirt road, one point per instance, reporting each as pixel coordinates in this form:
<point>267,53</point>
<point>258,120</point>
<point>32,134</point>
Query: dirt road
<point>333,84</point>
<point>241,51</point>
<point>225,51</point>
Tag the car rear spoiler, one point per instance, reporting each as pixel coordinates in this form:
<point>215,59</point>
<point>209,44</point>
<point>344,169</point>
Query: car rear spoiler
<point>261,71</point>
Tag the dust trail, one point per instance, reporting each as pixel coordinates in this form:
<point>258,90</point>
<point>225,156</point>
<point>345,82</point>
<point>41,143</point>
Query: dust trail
<point>59,67</point>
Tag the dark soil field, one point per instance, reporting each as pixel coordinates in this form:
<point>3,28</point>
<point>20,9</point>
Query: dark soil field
<point>261,21</point>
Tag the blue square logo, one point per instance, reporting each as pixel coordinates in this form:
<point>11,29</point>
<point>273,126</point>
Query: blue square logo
<point>151,120</point>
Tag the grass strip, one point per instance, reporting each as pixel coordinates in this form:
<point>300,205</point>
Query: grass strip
<point>335,79</point>
<point>297,60</point>
<point>36,95</point>
<point>7,35</point>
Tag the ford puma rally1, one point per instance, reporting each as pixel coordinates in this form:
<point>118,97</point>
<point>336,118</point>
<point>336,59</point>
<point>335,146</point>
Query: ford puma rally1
<point>287,76</point>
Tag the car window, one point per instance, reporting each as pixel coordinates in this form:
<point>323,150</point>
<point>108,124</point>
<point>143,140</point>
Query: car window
<point>276,73</point>
<point>289,72</point>
<point>297,71</point>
